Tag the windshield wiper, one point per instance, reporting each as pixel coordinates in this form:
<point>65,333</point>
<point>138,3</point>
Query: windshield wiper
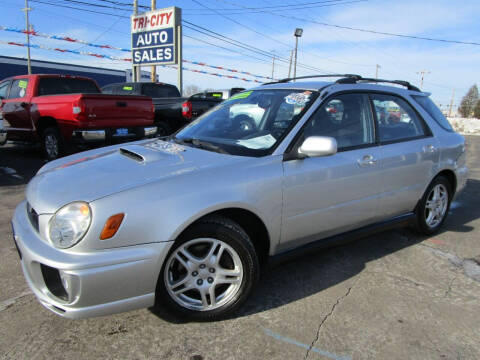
<point>202,144</point>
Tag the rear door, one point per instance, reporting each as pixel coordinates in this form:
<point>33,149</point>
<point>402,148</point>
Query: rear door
<point>408,153</point>
<point>324,196</point>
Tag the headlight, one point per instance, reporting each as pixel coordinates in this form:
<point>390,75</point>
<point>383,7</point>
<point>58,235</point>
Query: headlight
<point>69,224</point>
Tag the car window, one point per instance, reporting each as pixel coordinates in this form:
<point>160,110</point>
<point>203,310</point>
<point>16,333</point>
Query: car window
<point>250,123</point>
<point>66,85</point>
<point>4,89</point>
<point>396,119</point>
<point>18,88</point>
<point>160,91</point>
<point>427,104</point>
<point>347,118</point>
<point>107,90</point>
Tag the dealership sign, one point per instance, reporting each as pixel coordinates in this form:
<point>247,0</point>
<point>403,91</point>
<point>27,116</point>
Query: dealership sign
<point>154,37</point>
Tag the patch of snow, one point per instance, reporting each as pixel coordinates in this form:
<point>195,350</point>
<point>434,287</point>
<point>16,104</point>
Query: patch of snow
<point>464,126</point>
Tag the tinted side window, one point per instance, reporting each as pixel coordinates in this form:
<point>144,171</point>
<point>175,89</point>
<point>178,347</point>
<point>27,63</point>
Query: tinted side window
<point>64,85</point>
<point>347,118</point>
<point>4,89</point>
<point>107,90</point>
<point>433,111</point>
<point>160,91</point>
<point>396,119</point>
<point>18,89</point>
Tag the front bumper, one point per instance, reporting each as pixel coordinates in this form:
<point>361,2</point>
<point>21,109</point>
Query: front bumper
<point>97,283</point>
<point>3,137</point>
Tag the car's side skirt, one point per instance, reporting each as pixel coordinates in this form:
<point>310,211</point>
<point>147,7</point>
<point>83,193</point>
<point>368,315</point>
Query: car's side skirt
<point>396,222</point>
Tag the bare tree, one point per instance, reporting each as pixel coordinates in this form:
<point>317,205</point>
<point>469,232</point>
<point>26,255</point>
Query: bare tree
<point>468,102</point>
<point>191,89</point>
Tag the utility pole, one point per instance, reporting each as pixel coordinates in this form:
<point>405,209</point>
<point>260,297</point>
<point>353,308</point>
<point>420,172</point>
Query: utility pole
<point>135,77</point>
<point>290,65</point>
<point>376,71</point>
<point>451,104</point>
<point>26,10</point>
<point>422,73</point>
<point>153,71</point>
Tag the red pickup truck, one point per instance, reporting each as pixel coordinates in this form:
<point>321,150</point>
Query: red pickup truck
<point>60,110</point>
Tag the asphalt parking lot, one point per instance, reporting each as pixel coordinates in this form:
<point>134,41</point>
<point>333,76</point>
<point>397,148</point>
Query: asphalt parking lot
<point>394,295</point>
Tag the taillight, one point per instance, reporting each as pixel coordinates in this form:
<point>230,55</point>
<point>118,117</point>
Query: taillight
<point>78,110</point>
<point>187,110</point>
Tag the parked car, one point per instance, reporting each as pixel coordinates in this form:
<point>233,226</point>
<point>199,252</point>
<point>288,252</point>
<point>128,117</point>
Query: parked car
<point>187,222</point>
<point>172,111</point>
<point>3,132</point>
<point>202,102</point>
<point>60,110</point>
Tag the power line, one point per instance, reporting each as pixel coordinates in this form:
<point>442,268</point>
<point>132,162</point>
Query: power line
<point>242,25</point>
<point>279,8</point>
<point>360,29</point>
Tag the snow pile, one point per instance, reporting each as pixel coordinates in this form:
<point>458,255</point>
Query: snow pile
<point>465,126</point>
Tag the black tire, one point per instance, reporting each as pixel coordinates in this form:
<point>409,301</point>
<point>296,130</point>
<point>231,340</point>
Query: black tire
<point>52,143</point>
<point>226,231</point>
<point>163,129</point>
<point>421,210</point>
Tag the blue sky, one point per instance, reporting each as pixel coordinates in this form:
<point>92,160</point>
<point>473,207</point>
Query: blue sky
<point>335,50</point>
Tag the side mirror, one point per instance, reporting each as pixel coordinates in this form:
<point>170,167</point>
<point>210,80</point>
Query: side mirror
<point>315,146</point>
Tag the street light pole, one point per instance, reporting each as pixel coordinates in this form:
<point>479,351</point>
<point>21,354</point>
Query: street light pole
<point>298,33</point>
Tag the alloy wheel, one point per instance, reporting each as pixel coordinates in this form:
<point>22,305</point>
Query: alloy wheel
<point>203,274</point>
<point>436,205</point>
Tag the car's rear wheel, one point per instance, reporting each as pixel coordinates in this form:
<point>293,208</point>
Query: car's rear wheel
<point>210,271</point>
<point>52,143</point>
<point>433,208</point>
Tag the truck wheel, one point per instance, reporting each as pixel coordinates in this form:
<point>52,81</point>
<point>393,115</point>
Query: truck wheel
<point>163,129</point>
<point>52,143</point>
<point>210,270</point>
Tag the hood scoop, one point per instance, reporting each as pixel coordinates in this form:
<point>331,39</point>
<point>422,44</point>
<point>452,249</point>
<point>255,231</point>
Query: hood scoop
<point>144,154</point>
<point>132,155</point>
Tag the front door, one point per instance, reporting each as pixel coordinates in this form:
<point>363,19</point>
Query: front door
<point>16,111</point>
<point>324,196</point>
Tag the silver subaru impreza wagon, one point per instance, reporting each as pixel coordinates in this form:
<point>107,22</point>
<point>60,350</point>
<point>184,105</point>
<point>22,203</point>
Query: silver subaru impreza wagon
<point>187,222</point>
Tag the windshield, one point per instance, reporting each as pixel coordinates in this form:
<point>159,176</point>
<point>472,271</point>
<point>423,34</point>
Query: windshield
<point>250,123</point>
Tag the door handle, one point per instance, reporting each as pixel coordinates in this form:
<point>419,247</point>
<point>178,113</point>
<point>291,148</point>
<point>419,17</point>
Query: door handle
<point>367,160</point>
<point>429,149</point>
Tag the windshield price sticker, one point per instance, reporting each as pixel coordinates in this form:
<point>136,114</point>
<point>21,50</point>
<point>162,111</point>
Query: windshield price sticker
<point>298,98</point>
<point>22,84</point>
<point>242,95</point>
<point>129,88</point>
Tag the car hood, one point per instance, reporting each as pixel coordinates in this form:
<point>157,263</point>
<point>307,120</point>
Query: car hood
<point>99,173</point>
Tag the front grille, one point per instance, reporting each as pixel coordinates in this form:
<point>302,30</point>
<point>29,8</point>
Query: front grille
<point>33,216</point>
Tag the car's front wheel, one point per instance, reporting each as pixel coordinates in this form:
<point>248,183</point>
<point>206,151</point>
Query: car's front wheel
<point>210,271</point>
<point>433,208</point>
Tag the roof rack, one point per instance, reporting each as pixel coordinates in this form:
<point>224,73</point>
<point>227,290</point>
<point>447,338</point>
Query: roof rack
<point>351,80</point>
<point>315,76</point>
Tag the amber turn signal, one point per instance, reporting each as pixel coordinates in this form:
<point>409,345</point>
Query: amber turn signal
<point>111,226</point>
